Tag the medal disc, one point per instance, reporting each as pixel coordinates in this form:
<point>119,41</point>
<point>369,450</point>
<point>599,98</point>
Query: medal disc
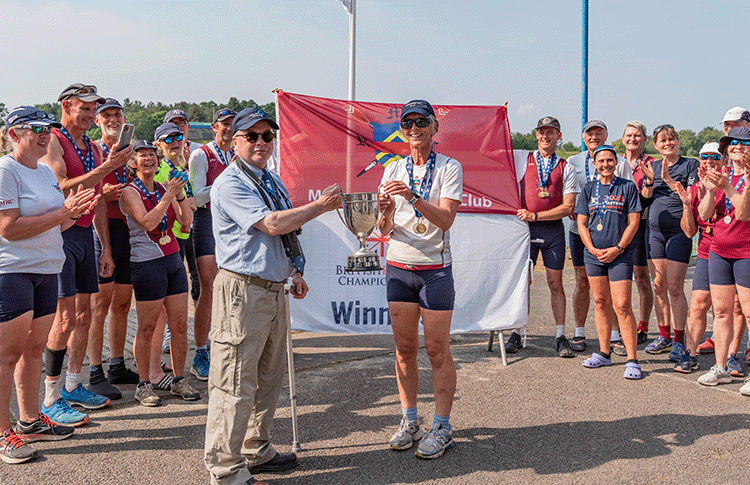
<point>708,230</point>
<point>727,219</point>
<point>599,227</point>
<point>164,240</point>
<point>543,194</point>
<point>420,228</point>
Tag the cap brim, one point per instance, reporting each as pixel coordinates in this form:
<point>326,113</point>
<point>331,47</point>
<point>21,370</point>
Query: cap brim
<point>89,98</point>
<point>52,123</point>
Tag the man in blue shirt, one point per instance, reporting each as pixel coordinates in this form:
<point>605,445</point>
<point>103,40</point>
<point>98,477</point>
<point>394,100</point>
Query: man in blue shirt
<point>255,227</point>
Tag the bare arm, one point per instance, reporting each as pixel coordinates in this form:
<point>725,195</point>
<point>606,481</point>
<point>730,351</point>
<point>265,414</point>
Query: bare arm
<point>556,213</point>
<point>688,223</point>
<point>183,213</point>
<point>133,207</point>
<point>54,158</point>
<point>442,215</point>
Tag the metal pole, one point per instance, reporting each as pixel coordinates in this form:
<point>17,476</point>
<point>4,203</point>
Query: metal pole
<point>349,121</point>
<point>585,70</point>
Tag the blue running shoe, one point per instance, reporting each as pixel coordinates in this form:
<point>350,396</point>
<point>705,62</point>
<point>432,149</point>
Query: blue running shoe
<point>659,345</point>
<point>201,363</point>
<point>678,350</point>
<point>687,364</point>
<point>63,415</point>
<point>80,396</point>
<point>734,366</point>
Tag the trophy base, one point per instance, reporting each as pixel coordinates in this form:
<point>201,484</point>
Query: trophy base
<point>370,262</point>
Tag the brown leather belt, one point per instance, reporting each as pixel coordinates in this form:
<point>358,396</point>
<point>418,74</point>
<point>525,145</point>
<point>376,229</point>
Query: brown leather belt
<point>269,285</point>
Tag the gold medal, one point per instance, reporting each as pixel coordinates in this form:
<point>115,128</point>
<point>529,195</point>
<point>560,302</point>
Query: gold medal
<point>599,227</point>
<point>419,227</point>
<point>543,194</point>
<point>708,230</point>
<point>164,240</point>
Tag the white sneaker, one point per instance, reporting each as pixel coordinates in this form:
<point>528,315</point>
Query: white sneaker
<point>408,432</point>
<point>745,389</point>
<point>716,375</point>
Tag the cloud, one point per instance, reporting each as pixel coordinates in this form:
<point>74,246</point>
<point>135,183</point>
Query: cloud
<point>525,109</point>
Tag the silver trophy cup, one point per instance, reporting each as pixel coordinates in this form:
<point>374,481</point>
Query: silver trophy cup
<point>361,214</point>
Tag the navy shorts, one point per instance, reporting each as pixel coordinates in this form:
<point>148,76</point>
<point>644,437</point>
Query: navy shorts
<point>553,248</point>
<point>674,246</point>
<point>159,278</point>
<point>639,244</point>
<point>204,243</point>
<point>119,240</point>
<point>700,275</point>
<point>24,292</point>
<point>79,273</point>
<point>725,271</point>
<point>619,269</point>
<point>431,288</point>
<point>576,248</point>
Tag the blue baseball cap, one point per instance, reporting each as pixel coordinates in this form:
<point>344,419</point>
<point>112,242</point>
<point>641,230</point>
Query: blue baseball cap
<point>419,106</point>
<point>605,148</point>
<point>29,115</point>
<point>108,103</point>
<point>248,117</point>
<point>141,144</point>
<point>175,113</point>
<point>594,124</point>
<point>166,129</point>
<point>739,133</point>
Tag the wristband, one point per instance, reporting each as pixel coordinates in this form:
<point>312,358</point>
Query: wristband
<point>75,218</point>
<point>536,216</point>
<point>179,200</point>
<point>648,185</point>
<point>620,248</point>
<point>414,199</point>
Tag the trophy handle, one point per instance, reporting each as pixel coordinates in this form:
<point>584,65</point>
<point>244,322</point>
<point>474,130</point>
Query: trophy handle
<point>338,211</point>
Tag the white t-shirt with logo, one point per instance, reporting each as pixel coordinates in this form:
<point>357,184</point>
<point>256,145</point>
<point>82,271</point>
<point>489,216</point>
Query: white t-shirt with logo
<point>33,192</point>
<point>432,247</point>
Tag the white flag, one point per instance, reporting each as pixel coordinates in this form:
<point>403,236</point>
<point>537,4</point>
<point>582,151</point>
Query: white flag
<point>347,5</point>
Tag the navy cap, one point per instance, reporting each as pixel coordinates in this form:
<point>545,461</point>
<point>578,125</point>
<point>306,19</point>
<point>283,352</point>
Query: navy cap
<point>29,115</point>
<point>594,124</point>
<point>248,117</point>
<point>175,113</point>
<point>141,144</point>
<point>108,103</point>
<point>223,114</point>
<point>84,92</point>
<point>166,129</point>
<point>739,133</point>
<point>419,106</point>
<point>605,148</point>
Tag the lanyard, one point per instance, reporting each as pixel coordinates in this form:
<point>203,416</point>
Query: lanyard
<point>188,185</point>
<point>122,178</point>
<point>426,184</point>
<point>596,174</point>
<point>155,200</point>
<point>638,162</point>
<point>600,206</point>
<point>221,155</point>
<point>544,170</point>
<point>88,161</point>
<point>727,202</point>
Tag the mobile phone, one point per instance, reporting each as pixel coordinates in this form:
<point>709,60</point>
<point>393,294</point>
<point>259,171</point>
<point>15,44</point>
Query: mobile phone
<point>125,136</point>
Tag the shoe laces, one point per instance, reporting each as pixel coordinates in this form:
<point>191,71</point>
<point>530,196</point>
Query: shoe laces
<point>45,420</point>
<point>13,440</point>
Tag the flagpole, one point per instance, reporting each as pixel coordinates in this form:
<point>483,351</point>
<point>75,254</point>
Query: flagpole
<point>352,57</point>
<point>585,69</point>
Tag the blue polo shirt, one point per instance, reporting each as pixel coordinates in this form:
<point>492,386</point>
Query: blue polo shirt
<point>236,204</point>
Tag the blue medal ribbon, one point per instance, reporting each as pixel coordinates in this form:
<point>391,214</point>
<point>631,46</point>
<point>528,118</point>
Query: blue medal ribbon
<point>155,200</point>
<point>221,155</point>
<point>544,170</point>
<point>600,206</point>
<point>727,202</point>
<point>88,161</point>
<point>596,174</point>
<point>423,190</point>
<point>188,185</point>
<point>121,178</point>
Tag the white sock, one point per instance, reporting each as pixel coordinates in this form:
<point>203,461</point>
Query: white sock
<point>580,332</point>
<point>72,381</point>
<point>615,336</point>
<point>560,331</point>
<point>51,392</point>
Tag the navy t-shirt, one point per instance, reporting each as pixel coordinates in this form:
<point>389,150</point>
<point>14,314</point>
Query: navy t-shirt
<point>619,201</point>
<point>666,210</point>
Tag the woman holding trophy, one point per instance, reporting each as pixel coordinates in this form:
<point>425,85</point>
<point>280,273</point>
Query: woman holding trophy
<point>420,195</point>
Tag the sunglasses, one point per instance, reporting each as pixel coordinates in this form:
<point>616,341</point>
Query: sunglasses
<point>661,127</point>
<point>712,156</point>
<point>252,136</point>
<point>739,142</point>
<point>225,112</point>
<point>36,129</point>
<point>420,122</point>
<point>172,138</point>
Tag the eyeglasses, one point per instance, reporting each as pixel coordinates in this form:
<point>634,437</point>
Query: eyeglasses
<point>36,129</point>
<point>252,136</point>
<point>740,142</point>
<point>172,138</point>
<point>712,156</point>
<point>420,122</point>
<point>181,122</point>
<point>661,127</point>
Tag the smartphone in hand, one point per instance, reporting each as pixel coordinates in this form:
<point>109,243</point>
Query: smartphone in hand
<point>126,135</point>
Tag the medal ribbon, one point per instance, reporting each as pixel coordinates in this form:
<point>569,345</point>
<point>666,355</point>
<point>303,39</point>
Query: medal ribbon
<point>142,188</point>
<point>544,170</point>
<point>221,155</point>
<point>121,178</point>
<point>426,184</point>
<point>88,161</point>
<point>596,174</point>
<point>188,185</point>
<point>727,202</point>
<point>600,206</point>
<point>638,163</point>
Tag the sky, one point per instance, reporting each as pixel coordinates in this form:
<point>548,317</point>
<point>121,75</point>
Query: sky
<point>670,61</point>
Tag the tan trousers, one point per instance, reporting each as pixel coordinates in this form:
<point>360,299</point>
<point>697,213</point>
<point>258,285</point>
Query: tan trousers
<point>248,345</point>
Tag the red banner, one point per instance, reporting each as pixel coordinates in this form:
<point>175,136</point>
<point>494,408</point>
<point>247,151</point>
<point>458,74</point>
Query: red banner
<point>325,141</point>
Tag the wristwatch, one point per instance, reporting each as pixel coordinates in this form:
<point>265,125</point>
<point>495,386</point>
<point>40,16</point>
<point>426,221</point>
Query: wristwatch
<point>620,248</point>
<point>414,199</point>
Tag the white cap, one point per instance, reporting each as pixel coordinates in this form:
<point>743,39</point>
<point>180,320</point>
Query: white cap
<point>710,147</point>
<point>736,114</point>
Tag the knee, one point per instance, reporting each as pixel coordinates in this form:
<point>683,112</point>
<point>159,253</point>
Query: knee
<point>555,285</point>
<point>660,288</point>
<point>10,356</point>
<point>622,308</point>
<point>676,289</point>
<point>438,353</point>
<point>407,351</point>
<point>582,282</point>
<point>601,300</point>
<point>643,282</point>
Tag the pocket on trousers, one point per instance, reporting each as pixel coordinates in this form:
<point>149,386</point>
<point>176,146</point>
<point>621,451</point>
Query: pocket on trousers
<point>226,362</point>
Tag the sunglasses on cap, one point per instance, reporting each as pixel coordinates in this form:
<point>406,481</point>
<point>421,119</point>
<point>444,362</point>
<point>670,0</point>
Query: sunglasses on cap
<point>36,129</point>
<point>252,136</point>
<point>739,142</point>
<point>712,156</point>
<point>420,122</point>
<point>172,138</point>
<point>225,112</point>
<point>661,127</point>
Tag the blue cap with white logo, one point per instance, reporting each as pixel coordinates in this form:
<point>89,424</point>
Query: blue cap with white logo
<point>248,117</point>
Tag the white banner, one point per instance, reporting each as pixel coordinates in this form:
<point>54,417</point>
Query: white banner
<point>490,256</point>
